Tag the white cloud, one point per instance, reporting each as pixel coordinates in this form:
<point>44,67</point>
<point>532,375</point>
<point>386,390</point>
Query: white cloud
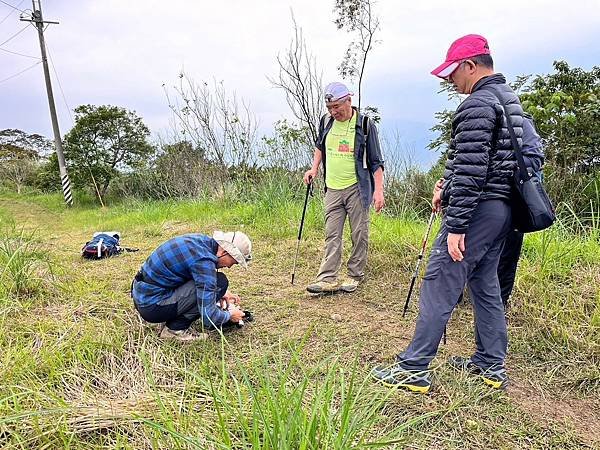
<point>120,52</point>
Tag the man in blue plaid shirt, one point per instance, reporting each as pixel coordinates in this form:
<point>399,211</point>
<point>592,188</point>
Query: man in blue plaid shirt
<point>179,283</point>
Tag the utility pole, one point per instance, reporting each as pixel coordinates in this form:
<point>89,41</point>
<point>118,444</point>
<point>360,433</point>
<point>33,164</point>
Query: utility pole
<point>37,19</point>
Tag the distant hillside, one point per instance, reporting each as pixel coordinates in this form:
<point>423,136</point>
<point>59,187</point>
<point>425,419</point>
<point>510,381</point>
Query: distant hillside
<point>36,142</point>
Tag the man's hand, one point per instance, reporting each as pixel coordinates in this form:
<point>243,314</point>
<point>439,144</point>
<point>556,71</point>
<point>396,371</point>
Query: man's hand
<point>236,314</point>
<point>309,175</point>
<point>378,200</point>
<point>231,299</point>
<point>456,246</point>
<point>436,201</point>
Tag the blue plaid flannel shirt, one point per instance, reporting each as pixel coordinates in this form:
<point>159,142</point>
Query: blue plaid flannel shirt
<point>174,263</point>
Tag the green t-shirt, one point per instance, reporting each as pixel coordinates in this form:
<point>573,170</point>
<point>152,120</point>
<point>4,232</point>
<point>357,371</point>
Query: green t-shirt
<point>340,171</point>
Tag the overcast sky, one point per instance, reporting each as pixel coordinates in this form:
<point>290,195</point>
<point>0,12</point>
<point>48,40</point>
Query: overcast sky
<point>120,52</point>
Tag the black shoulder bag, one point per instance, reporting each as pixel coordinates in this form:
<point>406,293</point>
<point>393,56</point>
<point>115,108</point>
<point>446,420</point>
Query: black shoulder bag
<point>531,207</point>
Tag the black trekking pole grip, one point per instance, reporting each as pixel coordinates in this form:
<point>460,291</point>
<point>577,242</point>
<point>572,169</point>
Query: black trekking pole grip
<point>308,191</point>
<point>412,285</point>
<point>308,188</point>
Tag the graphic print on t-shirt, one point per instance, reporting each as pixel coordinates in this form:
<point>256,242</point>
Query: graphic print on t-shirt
<point>340,171</point>
<point>344,146</point>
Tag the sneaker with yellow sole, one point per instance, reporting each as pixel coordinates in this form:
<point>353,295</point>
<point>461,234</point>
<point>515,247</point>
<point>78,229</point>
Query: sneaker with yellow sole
<point>494,376</point>
<point>396,376</point>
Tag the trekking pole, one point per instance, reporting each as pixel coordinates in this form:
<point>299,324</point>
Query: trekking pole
<point>308,192</point>
<point>416,273</point>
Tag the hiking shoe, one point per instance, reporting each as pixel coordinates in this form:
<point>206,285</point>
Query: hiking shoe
<point>349,284</point>
<point>494,376</point>
<point>320,287</point>
<point>396,376</point>
<point>188,335</point>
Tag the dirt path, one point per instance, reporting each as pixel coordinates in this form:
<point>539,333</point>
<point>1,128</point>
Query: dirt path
<point>547,407</point>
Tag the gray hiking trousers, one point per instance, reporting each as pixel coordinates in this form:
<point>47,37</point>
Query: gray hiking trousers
<point>444,281</point>
<point>340,204</point>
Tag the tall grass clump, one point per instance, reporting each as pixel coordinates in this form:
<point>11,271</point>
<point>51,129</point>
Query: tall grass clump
<point>280,403</point>
<point>23,265</point>
<point>557,297</point>
<point>272,401</point>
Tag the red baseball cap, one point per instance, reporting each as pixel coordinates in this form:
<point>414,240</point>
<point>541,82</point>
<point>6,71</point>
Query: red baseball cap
<point>461,49</point>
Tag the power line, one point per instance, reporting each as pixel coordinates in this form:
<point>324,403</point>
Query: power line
<point>17,53</point>
<point>14,35</point>
<point>10,13</point>
<point>59,84</point>
<point>19,73</point>
<point>11,6</point>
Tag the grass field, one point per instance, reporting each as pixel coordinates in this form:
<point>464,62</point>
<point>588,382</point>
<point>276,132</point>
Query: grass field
<point>79,370</point>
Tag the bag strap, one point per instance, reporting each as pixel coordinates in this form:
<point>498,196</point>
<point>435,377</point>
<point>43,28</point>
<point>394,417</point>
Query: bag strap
<point>324,122</point>
<point>365,127</point>
<point>99,246</point>
<point>523,174</point>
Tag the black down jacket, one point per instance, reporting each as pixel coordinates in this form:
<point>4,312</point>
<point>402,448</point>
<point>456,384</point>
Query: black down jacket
<point>481,160</point>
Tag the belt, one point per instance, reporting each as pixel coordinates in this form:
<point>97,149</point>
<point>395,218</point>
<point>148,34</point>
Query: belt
<point>141,278</point>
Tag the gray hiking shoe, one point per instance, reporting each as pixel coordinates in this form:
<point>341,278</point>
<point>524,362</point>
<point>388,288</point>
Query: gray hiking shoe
<point>396,376</point>
<point>349,284</point>
<point>320,287</point>
<point>188,335</point>
<point>495,377</point>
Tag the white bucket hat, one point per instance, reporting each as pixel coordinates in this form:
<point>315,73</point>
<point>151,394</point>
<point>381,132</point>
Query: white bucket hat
<point>237,244</point>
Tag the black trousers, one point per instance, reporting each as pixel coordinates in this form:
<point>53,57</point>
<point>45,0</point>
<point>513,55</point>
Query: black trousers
<point>181,309</point>
<point>507,266</point>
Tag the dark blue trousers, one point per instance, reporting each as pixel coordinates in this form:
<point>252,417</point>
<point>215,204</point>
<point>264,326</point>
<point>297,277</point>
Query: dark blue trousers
<point>507,267</point>
<point>444,281</point>
<point>181,309</point>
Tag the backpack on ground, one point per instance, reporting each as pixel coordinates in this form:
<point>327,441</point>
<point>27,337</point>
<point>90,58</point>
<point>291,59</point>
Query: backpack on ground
<point>104,244</point>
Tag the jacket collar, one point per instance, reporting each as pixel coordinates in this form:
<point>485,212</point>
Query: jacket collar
<point>496,78</point>
<point>358,124</point>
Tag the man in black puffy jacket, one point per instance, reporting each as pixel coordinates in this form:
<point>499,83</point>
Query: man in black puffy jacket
<point>475,198</point>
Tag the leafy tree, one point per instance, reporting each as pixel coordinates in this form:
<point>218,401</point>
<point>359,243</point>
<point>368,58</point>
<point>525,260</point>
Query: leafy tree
<point>105,140</point>
<point>17,164</point>
<point>444,120</point>
<point>47,177</point>
<point>566,109</point>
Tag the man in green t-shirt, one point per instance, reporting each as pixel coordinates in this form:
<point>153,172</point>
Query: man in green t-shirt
<point>348,146</point>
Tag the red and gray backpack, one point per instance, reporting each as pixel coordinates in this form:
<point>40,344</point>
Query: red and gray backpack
<point>104,244</point>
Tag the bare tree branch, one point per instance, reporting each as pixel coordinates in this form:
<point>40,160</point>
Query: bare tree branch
<point>301,82</point>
